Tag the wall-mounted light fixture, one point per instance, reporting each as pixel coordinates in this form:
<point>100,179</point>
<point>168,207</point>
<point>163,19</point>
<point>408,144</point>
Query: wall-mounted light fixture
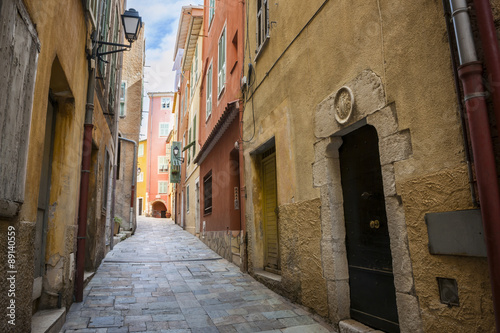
<point>132,24</point>
<point>177,156</point>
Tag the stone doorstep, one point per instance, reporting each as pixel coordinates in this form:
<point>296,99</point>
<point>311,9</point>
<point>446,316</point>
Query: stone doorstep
<point>353,326</point>
<point>265,275</point>
<point>48,321</point>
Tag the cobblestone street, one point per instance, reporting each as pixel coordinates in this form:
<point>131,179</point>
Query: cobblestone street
<point>163,279</point>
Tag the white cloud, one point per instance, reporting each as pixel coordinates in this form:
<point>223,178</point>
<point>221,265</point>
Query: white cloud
<point>161,18</point>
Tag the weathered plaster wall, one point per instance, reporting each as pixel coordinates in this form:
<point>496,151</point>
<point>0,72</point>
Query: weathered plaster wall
<point>70,73</point>
<point>407,49</point>
<point>129,128</point>
<point>141,186</point>
<point>438,192</point>
<point>301,266</point>
<point>192,169</point>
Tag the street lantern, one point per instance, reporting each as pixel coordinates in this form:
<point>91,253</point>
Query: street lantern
<point>132,24</point>
<point>176,154</point>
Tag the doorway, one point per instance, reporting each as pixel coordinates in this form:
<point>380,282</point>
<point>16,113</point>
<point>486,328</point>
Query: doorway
<point>44,199</point>
<point>197,208</point>
<point>371,279</point>
<point>269,207</point>
<point>139,205</point>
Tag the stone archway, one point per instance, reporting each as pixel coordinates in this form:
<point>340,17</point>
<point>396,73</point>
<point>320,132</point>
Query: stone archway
<point>159,209</point>
<point>369,107</point>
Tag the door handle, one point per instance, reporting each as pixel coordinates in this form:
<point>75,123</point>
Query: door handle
<point>375,224</point>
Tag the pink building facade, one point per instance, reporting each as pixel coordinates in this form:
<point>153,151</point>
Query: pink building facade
<point>160,126</point>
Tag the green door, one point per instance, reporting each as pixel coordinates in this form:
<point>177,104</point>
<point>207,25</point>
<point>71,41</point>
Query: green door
<point>270,204</point>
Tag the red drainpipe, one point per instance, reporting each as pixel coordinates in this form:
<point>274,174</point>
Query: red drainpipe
<point>486,174</point>
<point>82,213</point>
<point>488,35</point>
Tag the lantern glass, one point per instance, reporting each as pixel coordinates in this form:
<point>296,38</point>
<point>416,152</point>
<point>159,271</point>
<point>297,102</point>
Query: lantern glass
<point>131,24</point>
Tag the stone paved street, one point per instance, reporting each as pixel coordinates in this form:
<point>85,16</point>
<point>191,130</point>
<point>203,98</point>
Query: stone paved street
<point>163,279</point>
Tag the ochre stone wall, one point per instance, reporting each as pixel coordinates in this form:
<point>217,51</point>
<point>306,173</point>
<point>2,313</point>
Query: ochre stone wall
<point>440,192</point>
<point>301,265</point>
<point>406,48</point>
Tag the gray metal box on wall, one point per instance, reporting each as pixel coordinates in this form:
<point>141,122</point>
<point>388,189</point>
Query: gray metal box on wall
<point>456,233</point>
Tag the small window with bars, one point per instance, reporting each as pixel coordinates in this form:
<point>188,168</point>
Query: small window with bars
<point>207,193</point>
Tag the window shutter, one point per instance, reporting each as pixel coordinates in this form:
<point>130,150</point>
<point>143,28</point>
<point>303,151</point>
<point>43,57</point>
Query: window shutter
<point>194,136</point>
<point>21,45</point>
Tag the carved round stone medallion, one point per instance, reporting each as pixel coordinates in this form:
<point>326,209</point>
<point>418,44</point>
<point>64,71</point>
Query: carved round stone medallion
<point>343,104</point>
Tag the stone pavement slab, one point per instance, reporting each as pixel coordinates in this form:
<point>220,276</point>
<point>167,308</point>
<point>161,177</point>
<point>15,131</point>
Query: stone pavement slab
<point>164,279</point>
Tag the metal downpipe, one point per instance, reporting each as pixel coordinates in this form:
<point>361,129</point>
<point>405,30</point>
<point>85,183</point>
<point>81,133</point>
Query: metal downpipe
<point>84,188</point>
<point>470,73</point>
<point>488,35</point>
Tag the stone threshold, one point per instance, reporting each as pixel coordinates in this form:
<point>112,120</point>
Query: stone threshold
<point>353,326</point>
<point>48,321</point>
<point>268,276</point>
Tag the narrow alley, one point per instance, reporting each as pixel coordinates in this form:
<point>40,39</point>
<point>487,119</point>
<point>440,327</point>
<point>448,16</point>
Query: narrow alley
<point>163,279</point>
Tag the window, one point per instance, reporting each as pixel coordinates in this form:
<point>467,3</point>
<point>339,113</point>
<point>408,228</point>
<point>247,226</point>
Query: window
<point>221,76</point>
<point>211,11</point>
<point>189,150</point>
<point>187,198</point>
<point>15,113</point>
<point>207,193</point>
<point>194,136</point>
<point>162,164</point>
<point>262,22</point>
<point>164,129</point>
<point>141,150</point>
<point>162,187</point>
<point>209,92</point>
<point>191,80</point>
<point>184,145</point>
<point>197,74</point>
<point>123,91</point>
<point>93,6</point>
<point>140,177</point>
<point>165,103</point>
<point>185,101</point>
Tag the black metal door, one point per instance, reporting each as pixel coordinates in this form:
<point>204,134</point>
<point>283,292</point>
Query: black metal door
<point>371,281</point>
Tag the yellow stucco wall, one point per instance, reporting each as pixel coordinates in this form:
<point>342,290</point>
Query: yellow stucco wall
<point>407,47</point>
<point>142,163</point>
<point>192,169</point>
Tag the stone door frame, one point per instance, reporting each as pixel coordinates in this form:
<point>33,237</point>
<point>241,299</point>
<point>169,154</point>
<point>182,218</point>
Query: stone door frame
<point>369,107</point>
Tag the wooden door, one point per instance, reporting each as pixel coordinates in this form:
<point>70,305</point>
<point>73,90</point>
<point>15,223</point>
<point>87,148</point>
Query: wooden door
<point>270,204</point>
<point>140,206</point>
<point>371,281</point>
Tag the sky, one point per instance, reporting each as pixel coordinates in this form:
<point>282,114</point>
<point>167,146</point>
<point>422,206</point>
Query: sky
<point>161,18</point>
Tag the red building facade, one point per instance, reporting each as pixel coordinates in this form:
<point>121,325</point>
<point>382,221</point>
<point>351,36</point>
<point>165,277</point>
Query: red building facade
<point>220,156</point>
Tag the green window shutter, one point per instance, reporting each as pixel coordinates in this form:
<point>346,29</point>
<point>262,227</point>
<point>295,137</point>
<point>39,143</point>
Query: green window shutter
<point>194,136</point>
